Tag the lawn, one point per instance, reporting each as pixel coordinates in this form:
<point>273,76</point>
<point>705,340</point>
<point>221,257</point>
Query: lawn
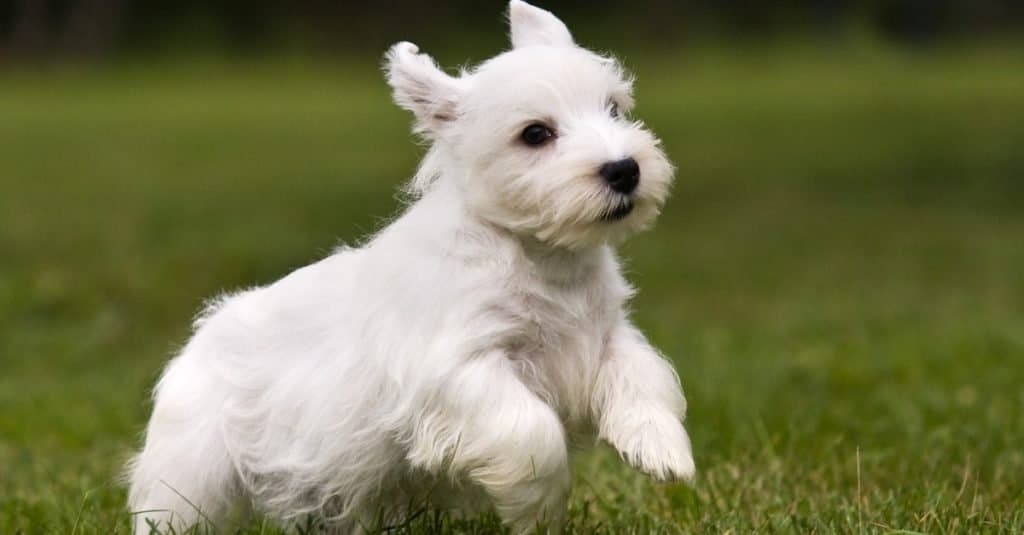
<point>839,276</point>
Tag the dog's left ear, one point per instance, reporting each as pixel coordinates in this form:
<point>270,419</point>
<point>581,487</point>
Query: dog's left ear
<point>421,87</point>
<point>534,26</point>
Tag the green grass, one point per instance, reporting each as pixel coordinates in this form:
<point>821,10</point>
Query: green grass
<point>839,276</point>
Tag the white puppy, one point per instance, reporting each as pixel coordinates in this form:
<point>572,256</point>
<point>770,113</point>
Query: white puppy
<point>451,357</point>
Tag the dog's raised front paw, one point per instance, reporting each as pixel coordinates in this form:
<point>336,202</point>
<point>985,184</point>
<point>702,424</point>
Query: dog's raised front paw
<point>656,444</point>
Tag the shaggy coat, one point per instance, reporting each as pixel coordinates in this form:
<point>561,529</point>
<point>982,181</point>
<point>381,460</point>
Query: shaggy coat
<point>452,357</point>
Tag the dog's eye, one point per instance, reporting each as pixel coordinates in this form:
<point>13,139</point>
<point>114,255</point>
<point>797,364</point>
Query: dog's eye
<point>613,109</point>
<point>537,134</point>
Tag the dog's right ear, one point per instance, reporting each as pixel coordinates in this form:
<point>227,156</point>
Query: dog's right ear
<point>421,87</point>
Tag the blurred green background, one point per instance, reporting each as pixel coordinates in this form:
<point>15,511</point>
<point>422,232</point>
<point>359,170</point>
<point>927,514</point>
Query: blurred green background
<point>839,276</point>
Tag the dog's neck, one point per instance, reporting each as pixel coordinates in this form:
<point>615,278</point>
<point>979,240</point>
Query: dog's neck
<point>553,264</point>
<point>560,265</point>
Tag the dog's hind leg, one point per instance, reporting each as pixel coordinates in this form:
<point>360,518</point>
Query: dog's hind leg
<point>183,476</point>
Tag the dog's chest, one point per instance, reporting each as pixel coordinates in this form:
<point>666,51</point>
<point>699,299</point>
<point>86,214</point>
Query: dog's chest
<point>559,342</point>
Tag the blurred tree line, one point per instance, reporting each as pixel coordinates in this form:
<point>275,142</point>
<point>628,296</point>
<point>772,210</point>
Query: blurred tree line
<point>99,28</point>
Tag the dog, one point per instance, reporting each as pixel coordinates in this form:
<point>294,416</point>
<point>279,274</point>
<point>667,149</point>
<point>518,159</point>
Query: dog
<point>453,357</point>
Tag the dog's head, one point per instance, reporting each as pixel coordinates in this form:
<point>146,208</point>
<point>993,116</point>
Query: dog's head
<point>538,140</point>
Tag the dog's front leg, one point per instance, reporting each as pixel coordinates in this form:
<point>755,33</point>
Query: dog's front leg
<point>486,425</point>
<point>639,407</point>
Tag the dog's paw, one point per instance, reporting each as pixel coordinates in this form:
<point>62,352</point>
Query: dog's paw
<point>656,444</point>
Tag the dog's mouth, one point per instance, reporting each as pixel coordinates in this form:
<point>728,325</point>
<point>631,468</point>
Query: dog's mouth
<point>618,212</point>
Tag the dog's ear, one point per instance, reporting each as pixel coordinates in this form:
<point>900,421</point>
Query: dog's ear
<point>421,87</point>
<point>534,26</point>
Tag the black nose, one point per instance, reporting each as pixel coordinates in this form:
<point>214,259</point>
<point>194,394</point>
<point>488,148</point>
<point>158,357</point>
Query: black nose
<point>622,176</point>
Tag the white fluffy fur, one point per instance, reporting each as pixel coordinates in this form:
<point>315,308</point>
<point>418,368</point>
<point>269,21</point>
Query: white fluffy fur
<point>451,357</point>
